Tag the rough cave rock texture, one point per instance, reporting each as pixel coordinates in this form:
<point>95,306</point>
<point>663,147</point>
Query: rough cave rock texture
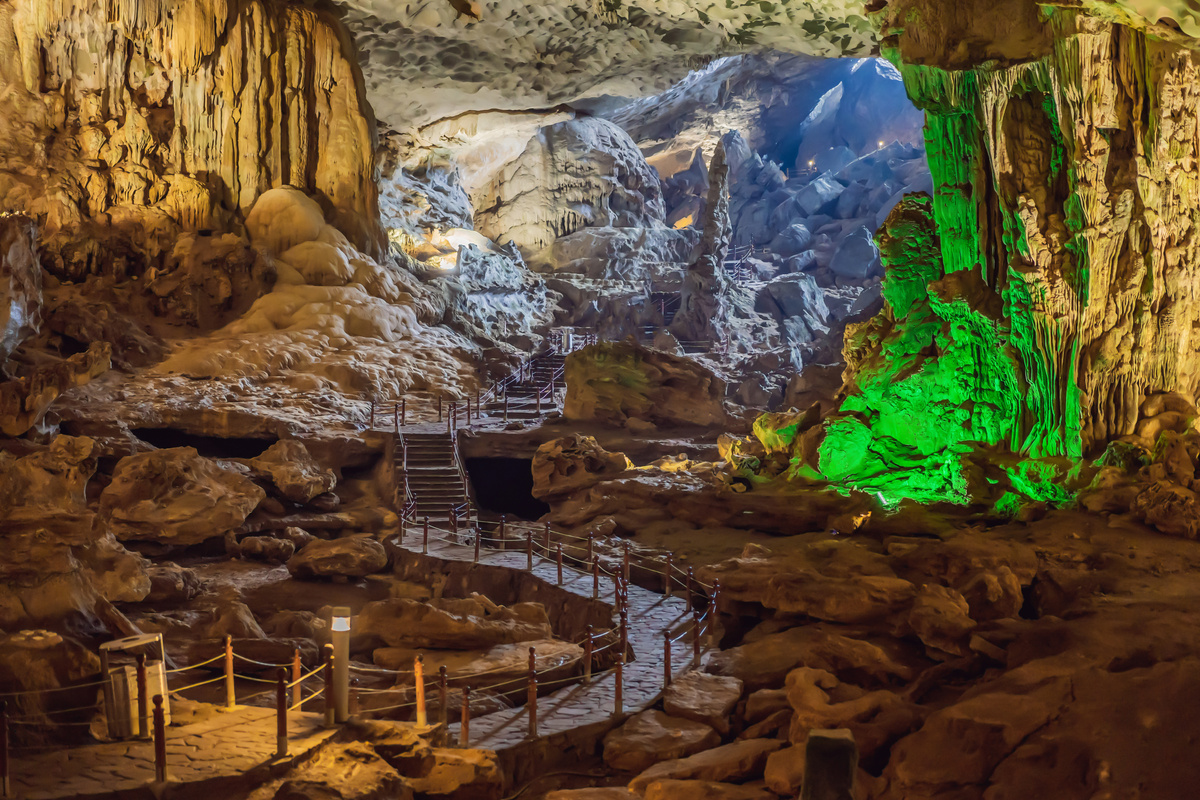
<point>429,61</point>
<point>1059,242</point>
<point>584,172</point>
<point>624,383</point>
<point>124,129</point>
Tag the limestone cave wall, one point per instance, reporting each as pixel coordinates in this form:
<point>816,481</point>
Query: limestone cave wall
<point>1069,183</point>
<point>126,122</point>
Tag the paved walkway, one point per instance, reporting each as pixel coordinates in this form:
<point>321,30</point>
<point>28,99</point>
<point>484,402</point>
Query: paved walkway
<point>236,744</point>
<point>580,705</point>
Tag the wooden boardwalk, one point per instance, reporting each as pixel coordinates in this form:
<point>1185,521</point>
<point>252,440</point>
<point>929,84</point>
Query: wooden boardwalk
<point>581,706</point>
<point>235,747</point>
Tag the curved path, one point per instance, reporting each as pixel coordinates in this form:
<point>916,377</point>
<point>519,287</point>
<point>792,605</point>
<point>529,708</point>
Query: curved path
<point>588,709</point>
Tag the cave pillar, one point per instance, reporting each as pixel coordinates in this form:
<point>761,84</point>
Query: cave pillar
<point>1070,183</point>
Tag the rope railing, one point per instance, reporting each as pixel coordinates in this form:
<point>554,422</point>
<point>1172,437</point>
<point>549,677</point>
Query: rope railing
<point>612,638</point>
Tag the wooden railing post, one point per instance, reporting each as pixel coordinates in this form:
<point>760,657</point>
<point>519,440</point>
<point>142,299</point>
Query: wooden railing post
<point>403,411</point>
<point>695,638</point>
<point>330,700</point>
<point>464,733</point>
<point>160,740</point>
<point>297,671</point>
<point>714,612</point>
<point>439,408</point>
<point>229,694</point>
<point>625,563</point>
<point>618,701</point>
<point>506,404</point>
<point>372,415</point>
<point>425,535</point>
<point>667,577</point>
<point>531,701</point>
<point>396,417</point>
<point>453,521</point>
<point>591,551</point>
<point>689,589</point>
<point>503,519</point>
<point>624,632</point>
<point>143,700</point>
<point>559,554</point>
<point>444,696</point>
<point>281,709</point>
<point>587,655</point>
<point>546,540</point>
<point>666,658</point>
<point>478,538</point>
<point>419,683</point>
<point>595,577</point>
<point>529,548</point>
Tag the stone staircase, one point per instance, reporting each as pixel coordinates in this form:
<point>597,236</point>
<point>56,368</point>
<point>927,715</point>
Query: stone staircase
<point>436,483</point>
<point>534,391</point>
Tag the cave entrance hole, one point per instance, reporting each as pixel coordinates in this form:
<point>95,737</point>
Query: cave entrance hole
<point>504,485</point>
<point>207,446</point>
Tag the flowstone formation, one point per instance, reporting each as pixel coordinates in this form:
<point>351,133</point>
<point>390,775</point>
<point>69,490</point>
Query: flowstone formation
<point>1045,293</point>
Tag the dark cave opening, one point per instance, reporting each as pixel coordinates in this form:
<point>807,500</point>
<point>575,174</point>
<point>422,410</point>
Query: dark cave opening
<point>208,446</point>
<point>505,486</point>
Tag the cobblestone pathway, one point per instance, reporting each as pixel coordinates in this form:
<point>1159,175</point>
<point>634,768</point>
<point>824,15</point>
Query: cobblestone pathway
<point>232,744</point>
<point>579,705</point>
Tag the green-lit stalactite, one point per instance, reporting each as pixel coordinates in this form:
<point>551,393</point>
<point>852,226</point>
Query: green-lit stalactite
<point>953,365</point>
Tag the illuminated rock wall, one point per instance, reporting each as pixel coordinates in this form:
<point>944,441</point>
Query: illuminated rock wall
<point>123,123</point>
<point>1066,197</point>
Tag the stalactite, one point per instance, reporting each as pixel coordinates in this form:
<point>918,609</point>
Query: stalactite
<point>236,99</point>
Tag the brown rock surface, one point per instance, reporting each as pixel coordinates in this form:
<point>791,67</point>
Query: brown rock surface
<point>171,583</point>
<point>457,773</point>
<point>351,557</point>
<point>450,624</point>
<point>34,661</point>
<point>613,382</point>
<point>592,793</point>
<point>267,548</point>
<point>765,661</point>
<point>838,581</point>
<point>294,472</point>
<point>652,736</point>
<point>941,618</point>
<point>784,773</point>
<point>351,771</point>
<point>705,790</point>
<point>729,762</point>
<point>709,699</point>
<point>573,463</point>
<point>494,666</point>
<point>175,496</point>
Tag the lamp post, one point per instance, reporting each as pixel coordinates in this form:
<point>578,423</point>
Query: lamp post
<point>340,626</point>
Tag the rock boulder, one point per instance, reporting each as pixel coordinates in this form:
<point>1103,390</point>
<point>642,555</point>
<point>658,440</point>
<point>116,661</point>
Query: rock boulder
<point>709,699</point>
<point>652,736</point>
<point>176,496</point>
<point>351,557</point>
<point>294,472</point>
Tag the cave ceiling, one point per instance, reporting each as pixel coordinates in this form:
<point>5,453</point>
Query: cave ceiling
<point>426,61</point>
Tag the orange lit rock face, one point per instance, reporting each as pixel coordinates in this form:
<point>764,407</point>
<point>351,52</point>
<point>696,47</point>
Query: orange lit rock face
<point>176,120</point>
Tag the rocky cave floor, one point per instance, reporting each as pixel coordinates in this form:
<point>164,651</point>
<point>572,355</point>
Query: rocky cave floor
<point>1053,656</point>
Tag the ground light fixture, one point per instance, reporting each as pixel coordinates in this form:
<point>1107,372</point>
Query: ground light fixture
<point>339,624</point>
